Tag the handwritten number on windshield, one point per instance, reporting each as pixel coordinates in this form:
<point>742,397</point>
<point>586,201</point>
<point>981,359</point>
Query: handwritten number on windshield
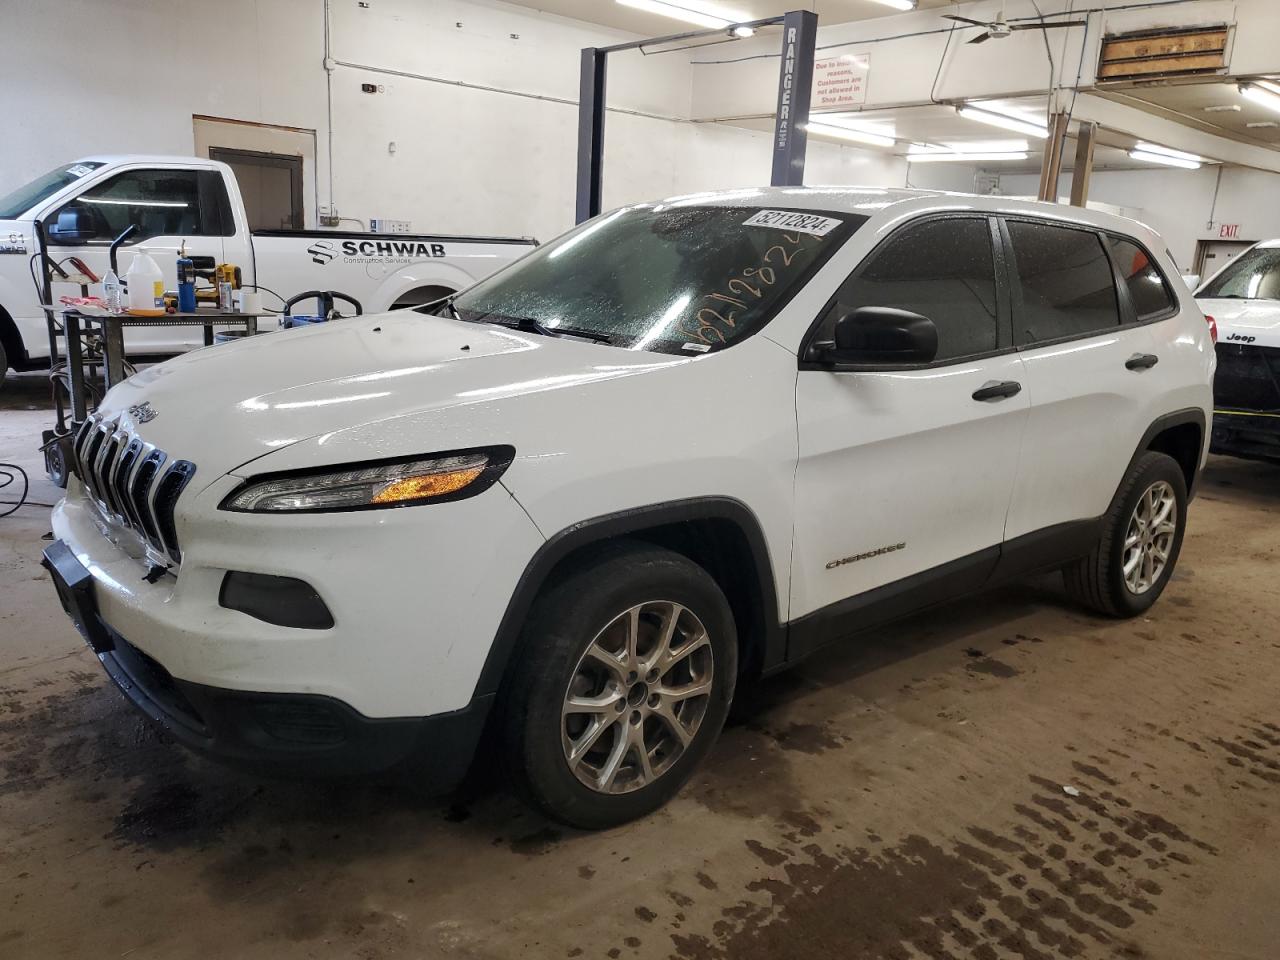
<point>710,324</point>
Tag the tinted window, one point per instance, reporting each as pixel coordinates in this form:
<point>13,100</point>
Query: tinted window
<point>665,278</point>
<point>180,203</point>
<point>1147,288</point>
<point>1067,286</point>
<point>941,269</point>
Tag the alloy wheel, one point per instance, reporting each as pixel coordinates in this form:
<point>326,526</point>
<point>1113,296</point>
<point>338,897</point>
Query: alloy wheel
<point>1148,541</point>
<point>637,697</point>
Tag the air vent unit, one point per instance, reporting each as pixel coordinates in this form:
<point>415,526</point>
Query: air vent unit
<point>1161,54</point>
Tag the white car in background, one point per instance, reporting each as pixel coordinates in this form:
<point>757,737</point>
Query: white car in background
<point>194,205</point>
<point>682,446</point>
<point>1244,300</point>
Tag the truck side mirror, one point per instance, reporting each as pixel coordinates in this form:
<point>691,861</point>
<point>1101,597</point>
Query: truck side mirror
<point>73,225</point>
<point>880,335</point>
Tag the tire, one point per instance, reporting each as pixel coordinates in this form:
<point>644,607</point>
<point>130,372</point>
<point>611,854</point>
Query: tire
<point>4,364</point>
<point>592,607</point>
<point>1098,581</point>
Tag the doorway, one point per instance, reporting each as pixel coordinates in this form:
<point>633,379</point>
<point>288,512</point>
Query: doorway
<point>274,165</point>
<point>271,185</point>
<point>1213,255</point>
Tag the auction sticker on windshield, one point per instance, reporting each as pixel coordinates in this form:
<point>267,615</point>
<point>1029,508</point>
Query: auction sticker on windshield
<point>795,222</point>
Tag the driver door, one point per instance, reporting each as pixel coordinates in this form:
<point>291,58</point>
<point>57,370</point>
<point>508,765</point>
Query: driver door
<point>904,476</point>
<point>170,206</point>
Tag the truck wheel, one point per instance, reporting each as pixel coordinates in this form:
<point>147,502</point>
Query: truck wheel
<point>627,672</point>
<point>4,364</point>
<point>1129,567</point>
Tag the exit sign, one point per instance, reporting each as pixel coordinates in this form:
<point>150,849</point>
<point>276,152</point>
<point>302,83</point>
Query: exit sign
<point>1229,231</point>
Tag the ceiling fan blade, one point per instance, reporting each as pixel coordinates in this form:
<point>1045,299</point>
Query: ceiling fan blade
<point>973,23</point>
<point>1048,26</point>
<point>981,38</point>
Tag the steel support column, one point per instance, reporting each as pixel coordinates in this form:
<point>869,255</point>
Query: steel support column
<point>591,132</point>
<point>1051,171</point>
<point>795,87</point>
<point>1083,170</point>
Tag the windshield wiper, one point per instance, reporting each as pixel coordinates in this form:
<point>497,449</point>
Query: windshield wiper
<point>533,325</point>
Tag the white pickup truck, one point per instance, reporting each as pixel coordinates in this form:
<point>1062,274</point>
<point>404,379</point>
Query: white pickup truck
<point>187,200</point>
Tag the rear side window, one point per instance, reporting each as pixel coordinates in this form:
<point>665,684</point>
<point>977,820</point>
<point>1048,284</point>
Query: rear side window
<point>940,269</point>
<point>163,203</point>
<point>1066,284</point>
<point>1147,287</point>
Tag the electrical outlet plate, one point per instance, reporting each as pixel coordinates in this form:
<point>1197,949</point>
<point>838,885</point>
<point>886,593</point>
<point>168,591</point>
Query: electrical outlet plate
<point>379,225</point>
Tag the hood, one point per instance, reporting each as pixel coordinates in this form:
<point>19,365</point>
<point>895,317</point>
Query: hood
<point>1252,322</point>
<point>226,405</point>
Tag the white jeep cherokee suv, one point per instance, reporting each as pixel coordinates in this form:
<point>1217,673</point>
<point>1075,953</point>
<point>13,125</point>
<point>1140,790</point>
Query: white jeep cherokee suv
<point>680,447</point>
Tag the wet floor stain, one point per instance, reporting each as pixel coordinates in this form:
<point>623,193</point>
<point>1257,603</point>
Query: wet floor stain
<point>1068,876</point>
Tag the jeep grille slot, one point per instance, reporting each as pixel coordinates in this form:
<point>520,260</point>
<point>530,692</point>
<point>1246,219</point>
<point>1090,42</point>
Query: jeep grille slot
<point>166,498</point>
<point>124,477</point>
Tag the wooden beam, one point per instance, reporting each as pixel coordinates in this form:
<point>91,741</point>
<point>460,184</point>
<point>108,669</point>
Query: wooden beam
<point>1083,170</point>
<point>1051,170</point>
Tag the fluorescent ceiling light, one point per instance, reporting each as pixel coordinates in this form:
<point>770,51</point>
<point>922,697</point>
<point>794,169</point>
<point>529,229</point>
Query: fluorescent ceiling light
<point>1167,152</point>
<point>1002,120</point>
<point>690,11</point>
<point>1261,95</point>
<point>849,133</point>
<point>957,157</point>
<point>898,4</point>
<point>1147,156</point>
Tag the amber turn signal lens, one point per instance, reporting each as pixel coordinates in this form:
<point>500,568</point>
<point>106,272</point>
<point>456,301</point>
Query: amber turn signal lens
<point>426,485</point>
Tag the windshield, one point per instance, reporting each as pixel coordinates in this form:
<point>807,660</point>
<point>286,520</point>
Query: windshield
<point>663,277</point>
<point>18,202</point>
<point>1254,275</point>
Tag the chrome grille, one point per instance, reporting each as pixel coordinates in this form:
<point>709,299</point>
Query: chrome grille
<point>132,482</point>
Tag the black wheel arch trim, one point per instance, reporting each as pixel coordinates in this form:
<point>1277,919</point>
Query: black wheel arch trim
<point>1178,418</point>
<point>621,524</point>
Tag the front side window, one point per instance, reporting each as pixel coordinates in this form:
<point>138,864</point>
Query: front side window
<point>29,195</point>
<point>940,269</point>
<point>163,203</point>
<point>1254,275</point>
<point>666,278</point>
<point>1066,283</point>
<point>1147,287</point>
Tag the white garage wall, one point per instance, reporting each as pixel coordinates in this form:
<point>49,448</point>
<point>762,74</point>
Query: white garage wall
<point>484,124</point>
<point>1180,204</point>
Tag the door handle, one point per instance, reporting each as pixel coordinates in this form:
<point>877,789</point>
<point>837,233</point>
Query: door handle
<point>1141,361</point>
<point>997,390</point>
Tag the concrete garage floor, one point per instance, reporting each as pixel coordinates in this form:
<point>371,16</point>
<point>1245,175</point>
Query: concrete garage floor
<point>901,798</point>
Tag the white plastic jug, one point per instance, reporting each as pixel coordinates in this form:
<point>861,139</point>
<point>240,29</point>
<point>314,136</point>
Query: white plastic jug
<point>146,282</point>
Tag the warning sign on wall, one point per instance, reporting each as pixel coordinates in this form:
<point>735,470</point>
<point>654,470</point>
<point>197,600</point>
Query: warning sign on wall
<point>840,82</point>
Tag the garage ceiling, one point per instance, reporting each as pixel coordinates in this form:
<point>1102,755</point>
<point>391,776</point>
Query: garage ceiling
<point>1201,105</point>
<point>611,14</point>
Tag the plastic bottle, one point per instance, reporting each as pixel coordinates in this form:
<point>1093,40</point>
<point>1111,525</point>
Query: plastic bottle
<point>146,283</point>
<point>111,291</point>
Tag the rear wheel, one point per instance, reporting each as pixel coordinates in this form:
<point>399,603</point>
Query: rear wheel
<point>628,671</point>
<point>1131,564</point>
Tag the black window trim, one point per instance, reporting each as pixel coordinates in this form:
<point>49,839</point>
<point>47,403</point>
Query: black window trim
<point>1129,310</point>
<point>1127,314</point>
<point>1004,312</point>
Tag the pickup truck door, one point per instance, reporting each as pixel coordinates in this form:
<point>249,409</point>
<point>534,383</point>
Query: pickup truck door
<point>171,206</point>
<point>905,472</point>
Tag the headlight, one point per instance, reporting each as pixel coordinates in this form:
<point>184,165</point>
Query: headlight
<point>366,486</point>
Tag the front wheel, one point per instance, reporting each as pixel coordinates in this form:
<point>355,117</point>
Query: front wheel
<point>1131,564</point>
<point>627,673</point>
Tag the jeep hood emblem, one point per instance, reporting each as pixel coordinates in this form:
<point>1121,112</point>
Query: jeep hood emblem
<point>143,412</point>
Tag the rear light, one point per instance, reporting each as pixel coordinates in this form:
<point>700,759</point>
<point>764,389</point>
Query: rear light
<point>1213,327</point>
